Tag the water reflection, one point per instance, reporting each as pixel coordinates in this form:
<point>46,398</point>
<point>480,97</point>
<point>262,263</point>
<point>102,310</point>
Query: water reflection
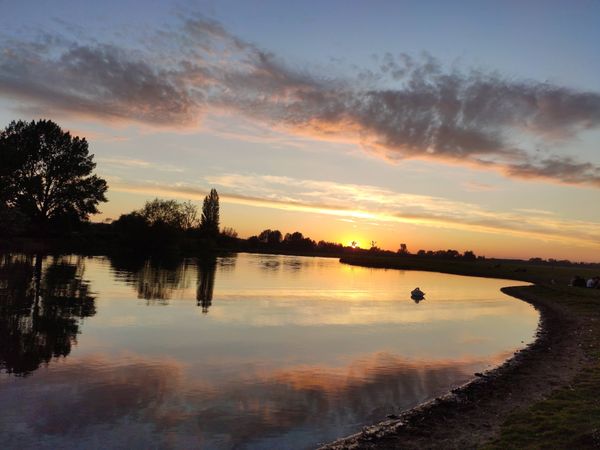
<point>304,405</point>
<point>226,263</point>
<point>167,408</point>
<point>286,358</point>
<point>41,309</point>
<point>206,282</point>
<point>269,263</point>
<point>154,279</point>
<point>158,279</point>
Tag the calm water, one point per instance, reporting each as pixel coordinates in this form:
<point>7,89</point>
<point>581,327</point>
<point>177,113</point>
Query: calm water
<point>253,351</point>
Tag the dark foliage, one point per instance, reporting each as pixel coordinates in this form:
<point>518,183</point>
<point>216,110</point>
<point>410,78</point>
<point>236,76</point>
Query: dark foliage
<point>40,310</point>
<point>209,223</point>
<point>159,225</point>
<point>271,237</point>
<point>46,175</point>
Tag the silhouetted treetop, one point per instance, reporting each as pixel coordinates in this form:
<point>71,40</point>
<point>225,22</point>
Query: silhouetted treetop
<point>171,213</point>
<point>209,224</point>
<point>229,232</point>
<point>270,236</point>
<point>46,173</point>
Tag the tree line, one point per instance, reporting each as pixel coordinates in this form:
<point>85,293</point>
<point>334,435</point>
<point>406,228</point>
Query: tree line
<point>48,189</point>
<point>162,223</point>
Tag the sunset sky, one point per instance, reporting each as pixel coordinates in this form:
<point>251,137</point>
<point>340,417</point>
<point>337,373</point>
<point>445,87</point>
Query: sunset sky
<point>470,125</point>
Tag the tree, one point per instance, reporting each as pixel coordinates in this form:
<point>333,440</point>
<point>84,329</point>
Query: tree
<point>297,241</point>
<point>189,213</point>
<point>209,224</point>
<point>272,237</point>
<point>469,255</point>
<point>229,232</point>
<point>170,213</point>
<point>46,174</point>
<point>294,237</point>
<point>403,249</point>
<point>162,212</point>
<point>158,225</point>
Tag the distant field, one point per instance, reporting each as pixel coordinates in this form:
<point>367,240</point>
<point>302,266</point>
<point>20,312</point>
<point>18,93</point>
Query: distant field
<point>539,273</point>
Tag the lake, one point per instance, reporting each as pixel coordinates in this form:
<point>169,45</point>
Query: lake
<point>247,351</point>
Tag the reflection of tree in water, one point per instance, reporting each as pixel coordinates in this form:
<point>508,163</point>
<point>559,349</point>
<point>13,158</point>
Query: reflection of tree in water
<point>269,263</point>
<point>158,278</point>
<point>206,282</point>
<point>155,279</point>
<point>292,264</point>
<point>40,309</point>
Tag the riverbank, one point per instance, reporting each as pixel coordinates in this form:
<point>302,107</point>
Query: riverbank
<point>545,396</point>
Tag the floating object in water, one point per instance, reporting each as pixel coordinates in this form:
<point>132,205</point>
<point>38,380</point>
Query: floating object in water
<point>417,294</point>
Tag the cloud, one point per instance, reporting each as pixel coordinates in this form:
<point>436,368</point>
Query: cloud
<point>120,162</point>
<point>562,168</point>
<point>474,186</point>
<point>405,107</point>
<point>371,203</point>
<point>95,80</point>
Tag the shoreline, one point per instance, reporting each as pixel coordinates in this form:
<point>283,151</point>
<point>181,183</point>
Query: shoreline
<point>472,415</point>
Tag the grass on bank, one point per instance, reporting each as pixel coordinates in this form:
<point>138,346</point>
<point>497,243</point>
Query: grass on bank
<point>539,273</point>
<point>570,416</point>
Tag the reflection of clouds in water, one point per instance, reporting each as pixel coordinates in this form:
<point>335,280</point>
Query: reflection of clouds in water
<point>138,401</point>
<point>93,400</point>
<point>350,307</point>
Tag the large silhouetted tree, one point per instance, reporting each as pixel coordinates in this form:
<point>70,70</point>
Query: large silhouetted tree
<point>46,174</point>
<point>209,223</point>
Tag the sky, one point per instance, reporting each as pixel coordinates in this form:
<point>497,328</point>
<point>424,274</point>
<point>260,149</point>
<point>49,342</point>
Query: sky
<point>463,125</point>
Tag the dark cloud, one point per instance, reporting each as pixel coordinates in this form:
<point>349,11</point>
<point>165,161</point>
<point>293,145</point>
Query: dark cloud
<point>98,80</point>
<point>558,168</point>
<point>405,107</point>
